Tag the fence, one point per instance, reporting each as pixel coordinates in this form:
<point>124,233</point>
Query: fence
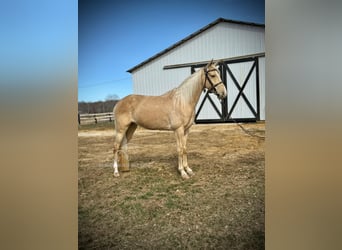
<point>95,118</point>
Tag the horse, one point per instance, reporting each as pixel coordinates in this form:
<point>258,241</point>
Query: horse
<point>173,111</point>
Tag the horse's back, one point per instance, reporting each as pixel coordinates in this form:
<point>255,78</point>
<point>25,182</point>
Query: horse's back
<point>133,102</point>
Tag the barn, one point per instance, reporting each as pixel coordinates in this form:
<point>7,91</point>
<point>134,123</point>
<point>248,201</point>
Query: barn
<point>240,46</point>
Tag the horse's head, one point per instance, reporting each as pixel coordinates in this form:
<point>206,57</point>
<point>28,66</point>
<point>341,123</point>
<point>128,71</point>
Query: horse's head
<point>213,80</point>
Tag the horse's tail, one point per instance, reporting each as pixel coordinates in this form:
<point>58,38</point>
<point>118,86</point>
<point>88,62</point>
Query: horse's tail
<point>114,116</point>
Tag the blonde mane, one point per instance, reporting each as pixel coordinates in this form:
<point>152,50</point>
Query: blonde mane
<point>189,87</point>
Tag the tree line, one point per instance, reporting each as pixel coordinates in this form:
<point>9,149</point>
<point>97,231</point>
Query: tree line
<point>96,107</point>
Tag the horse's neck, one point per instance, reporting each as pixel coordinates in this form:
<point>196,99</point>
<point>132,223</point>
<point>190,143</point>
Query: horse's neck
<point>190,90</point>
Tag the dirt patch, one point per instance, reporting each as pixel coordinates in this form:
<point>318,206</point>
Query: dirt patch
<point>151,207</point>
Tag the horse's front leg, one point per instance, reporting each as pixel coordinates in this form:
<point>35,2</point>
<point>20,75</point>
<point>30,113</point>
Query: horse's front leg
<point>180,149</point>
<point>185,155</point>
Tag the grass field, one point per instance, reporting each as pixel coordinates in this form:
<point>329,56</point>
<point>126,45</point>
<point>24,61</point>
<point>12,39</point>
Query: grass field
<point>152,207</point>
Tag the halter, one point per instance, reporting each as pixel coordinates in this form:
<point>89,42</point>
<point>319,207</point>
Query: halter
<point>213,86</point>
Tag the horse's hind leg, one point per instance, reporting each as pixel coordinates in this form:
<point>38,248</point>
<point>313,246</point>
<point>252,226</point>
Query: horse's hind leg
<point>122,137</point>
<point>117,146</point>
<point>123,154</point>
<point>130,131</point>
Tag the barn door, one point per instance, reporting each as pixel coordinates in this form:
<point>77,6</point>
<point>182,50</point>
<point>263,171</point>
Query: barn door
<point>241,78</point>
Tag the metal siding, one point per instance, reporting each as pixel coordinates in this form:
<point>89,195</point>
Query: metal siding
<point>221,41</point>
<point>262,88</point>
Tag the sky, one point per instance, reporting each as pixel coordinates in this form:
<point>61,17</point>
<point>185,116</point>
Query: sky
<point>114,36</point>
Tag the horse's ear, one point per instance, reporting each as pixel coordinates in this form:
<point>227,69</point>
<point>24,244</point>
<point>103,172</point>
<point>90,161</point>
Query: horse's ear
<point>211,62</point>
<point>217,62</point>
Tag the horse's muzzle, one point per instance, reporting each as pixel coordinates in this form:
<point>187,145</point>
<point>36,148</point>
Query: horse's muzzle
<point>221,96</point>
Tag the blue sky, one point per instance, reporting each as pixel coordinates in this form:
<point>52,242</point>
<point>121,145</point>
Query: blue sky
<point>114,36</point>
<point>38,37</point>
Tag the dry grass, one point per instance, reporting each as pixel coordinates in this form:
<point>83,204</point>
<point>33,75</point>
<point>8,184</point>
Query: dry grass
<point>151,207</point>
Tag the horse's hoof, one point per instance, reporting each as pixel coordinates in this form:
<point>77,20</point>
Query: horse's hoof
<point>190,173</point>
<point>116,174</point>
<point>185,176</point>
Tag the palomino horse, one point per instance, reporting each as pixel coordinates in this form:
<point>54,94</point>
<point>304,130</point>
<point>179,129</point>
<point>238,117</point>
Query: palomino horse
<point>174,110</point>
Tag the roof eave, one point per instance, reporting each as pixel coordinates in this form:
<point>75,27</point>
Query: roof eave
<point>219,20</point>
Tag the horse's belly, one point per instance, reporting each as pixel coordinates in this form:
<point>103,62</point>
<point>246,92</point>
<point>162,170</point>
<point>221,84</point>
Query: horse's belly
<point>152,117</point>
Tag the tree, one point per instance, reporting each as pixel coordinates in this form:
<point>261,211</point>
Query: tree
<point>112,97</point>
<point>96,107</point>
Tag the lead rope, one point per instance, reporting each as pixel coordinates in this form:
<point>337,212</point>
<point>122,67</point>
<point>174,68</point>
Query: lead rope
<point>245,130</point>
<point>248,132</point>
